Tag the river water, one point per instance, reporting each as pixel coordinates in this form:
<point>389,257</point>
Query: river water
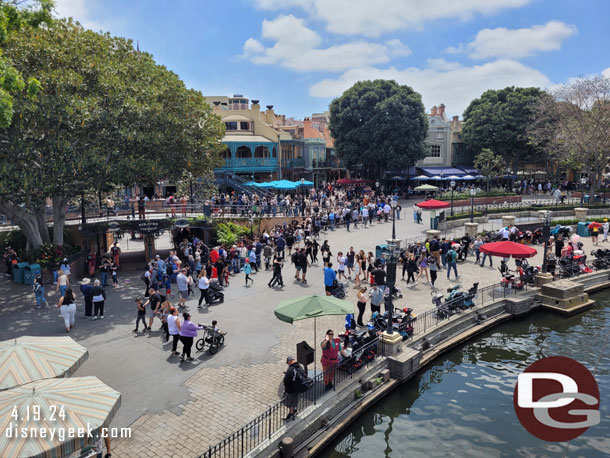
<point>461,405</point>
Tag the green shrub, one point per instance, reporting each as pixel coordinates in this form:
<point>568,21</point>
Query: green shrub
<point>463,215</point>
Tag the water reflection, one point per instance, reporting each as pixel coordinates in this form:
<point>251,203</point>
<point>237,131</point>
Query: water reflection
<point>462,404</point>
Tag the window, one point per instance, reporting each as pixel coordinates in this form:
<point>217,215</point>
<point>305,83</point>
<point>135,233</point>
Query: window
<point>244,125</point>
<point>435,151</point>
<point>231,125</point>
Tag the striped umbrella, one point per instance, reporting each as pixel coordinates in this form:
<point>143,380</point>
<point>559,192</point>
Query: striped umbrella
<point>26,359</point>
<point>57,404</point>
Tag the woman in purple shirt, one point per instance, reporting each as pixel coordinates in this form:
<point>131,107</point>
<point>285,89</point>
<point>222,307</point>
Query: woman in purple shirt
<point>188,331</point>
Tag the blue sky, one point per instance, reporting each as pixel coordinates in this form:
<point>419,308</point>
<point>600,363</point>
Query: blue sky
<point>299,54</point>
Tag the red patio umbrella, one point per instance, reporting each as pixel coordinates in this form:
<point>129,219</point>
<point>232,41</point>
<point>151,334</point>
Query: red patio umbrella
<point>507,249</point>
<point>432,204</point>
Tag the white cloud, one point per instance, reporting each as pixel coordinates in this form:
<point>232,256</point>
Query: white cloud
<point>450,83</point>
<point>606,73</point>
<point>373,18</point>
<point>78,10</point>
<point>297,48</point>
<point>516,43</point>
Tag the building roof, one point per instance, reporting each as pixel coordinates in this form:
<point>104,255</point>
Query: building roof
<point>246,138</point>
<point>235,117</point>
<point>445,171</point>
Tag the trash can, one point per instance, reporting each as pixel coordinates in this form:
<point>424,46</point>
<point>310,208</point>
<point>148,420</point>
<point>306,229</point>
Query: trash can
<point>585,199</point>
<point>18,271</point>
<point>380,249</point>
<point>597,198</point>
<point>583,229</point>
<point>30,272</point>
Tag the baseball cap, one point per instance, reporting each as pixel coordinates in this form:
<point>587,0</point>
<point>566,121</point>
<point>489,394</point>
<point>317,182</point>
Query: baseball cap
<point>289,358</point>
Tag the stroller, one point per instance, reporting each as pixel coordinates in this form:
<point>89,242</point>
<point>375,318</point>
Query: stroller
<point>215,293</point>
<point>339,291</point>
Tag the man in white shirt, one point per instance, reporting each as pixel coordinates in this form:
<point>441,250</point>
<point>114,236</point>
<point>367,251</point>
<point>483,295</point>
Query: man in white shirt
<point>505,233</point>
<point>386,211</point>
<point>204,285</point>
<point>341,260</point>
<point>605,227</point>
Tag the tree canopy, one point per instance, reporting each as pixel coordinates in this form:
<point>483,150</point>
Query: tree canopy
<point>107,115</point>
<point>490,164</point>
<point>379,124</point>
<point>499,120</point>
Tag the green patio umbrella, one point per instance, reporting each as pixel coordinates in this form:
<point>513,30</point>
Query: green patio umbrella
<point>425,187</point>
<point>303,308</point>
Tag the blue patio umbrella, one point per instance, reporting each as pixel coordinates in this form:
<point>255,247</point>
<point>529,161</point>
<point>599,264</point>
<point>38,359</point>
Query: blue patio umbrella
<point>468,177</point>
<point>305,183</point>
<point>421,178</point>
<point>283,184</point>
<point>435,178</point>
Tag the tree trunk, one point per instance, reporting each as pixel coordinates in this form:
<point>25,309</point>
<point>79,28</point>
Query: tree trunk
<point>27,222</point>
<point>41,217</point>
<point>59,220</point>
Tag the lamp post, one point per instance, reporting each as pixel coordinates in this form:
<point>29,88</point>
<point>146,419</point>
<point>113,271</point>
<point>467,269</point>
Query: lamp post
<point>393,247</point>
<point>473,192</point>
<point>546,233</point>
<point>303,194</point>
<point>583,182</point>
<point>452,184</point>
<point>251,227</point>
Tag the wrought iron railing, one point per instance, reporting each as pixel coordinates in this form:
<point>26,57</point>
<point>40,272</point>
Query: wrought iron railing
<point>271,423</point>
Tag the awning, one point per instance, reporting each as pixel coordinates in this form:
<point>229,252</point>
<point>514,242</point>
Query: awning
<point>245,139</point>
<point>431,171</point>
<point>235,117</point>
<point>470,170</point>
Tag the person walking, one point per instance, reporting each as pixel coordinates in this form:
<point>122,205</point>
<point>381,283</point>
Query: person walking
<point>605,227</point>
<point>38,287</point>
<point>452,263</point>
<point>63,283</point>
<point>141,307</point>
<point>477,249</point>
<point>304,263</point>
<point>248,271</point>
<point>361,304</point>
<point>98,297</point>
<point>173,326</point>
<point>433,267</point>
<point>290,387</point>
<point>341,261</point>
<point>331,348</point>
<point>204,289</point>
<point>67,308</point>
<point>277,273</point>
<point>411,269</point>
<point>154,300</point>
<point>423,266</point>
<point>183,288</point>
<point>87,289</point>
<point>435,251</point>
<point>188,331</point>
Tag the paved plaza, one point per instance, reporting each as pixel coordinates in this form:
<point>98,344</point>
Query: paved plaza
<point>179,409</point>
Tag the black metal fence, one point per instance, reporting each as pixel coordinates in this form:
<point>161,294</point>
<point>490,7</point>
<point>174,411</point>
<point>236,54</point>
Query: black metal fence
<point>271,423</point>
<point>448,308</point>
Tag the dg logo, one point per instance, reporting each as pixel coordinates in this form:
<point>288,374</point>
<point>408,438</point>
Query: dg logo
<point>557,399</point>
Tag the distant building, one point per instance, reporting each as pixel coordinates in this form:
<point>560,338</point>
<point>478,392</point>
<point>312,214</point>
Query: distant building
<point>253,144</point>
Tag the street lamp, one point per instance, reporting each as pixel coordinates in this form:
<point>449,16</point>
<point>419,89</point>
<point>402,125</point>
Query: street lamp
<point>303,194</point>
<point>473,193</point>
<point>452,184</point>
<point>251,227</point>
<point>583,182</point>
<point>546,233</point>
<point>391,257</point>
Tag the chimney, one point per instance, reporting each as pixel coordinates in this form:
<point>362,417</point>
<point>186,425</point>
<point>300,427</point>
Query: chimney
<point>433,111</point>
<point>255,107</point>
<point>216,106</point>
<point>269,115</point>
<point>456,118</point>
<point>441,109</point>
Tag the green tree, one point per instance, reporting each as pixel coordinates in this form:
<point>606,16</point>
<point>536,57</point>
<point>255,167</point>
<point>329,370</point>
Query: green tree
<point>13,18</point>
<point>379,124</point>
<point>107,116</point>
<point>499,120</point>
<point>490,164</point>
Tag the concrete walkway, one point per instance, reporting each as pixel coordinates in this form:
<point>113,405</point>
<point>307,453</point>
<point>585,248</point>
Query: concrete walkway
<point>179,409</point>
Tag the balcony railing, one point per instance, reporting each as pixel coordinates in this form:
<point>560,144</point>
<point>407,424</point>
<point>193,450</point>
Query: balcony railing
<point>294,163</point>
<point>251,162</point>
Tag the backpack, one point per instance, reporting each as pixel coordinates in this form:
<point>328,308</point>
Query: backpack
<point>452,255</point>
<point>169,269</point>
<point>294,258</point>
<point>300,382</point>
